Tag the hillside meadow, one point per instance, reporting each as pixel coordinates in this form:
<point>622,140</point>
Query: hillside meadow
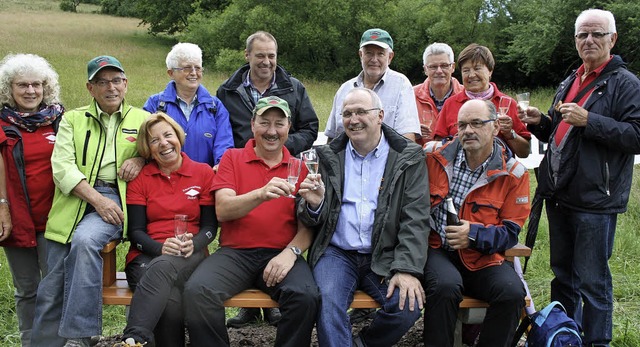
<point>69,40</point>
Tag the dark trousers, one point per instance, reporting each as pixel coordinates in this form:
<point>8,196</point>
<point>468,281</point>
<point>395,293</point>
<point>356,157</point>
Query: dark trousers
<point>229,271</point>
<point>446,279</point>
<point>156,314</point>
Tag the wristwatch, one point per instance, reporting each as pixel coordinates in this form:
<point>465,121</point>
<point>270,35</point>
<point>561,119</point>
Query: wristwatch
<point>513,134</point>
<point>295,250</point>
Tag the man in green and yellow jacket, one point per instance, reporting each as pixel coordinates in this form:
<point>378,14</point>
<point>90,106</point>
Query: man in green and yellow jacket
<point>93,158</point>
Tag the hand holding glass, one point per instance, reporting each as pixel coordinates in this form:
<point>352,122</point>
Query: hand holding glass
<point>180,227</point>
<point>294,172</point>
<point>310,158</point>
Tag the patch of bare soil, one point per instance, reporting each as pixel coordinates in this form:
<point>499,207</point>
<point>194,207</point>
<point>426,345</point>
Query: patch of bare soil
<point>262,335</point>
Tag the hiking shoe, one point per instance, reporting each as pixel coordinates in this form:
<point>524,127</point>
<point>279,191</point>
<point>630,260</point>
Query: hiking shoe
<point>359,315</point>
<point>129,342</point>
<point>272,315</point>
<point>244,317</point>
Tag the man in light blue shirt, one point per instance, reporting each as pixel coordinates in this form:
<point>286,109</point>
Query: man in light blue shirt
<point>372,222</point>
<point>393,88</point>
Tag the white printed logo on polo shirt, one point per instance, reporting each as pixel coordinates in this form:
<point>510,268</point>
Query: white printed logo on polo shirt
<point>192,193</point>
<point>51,137</point>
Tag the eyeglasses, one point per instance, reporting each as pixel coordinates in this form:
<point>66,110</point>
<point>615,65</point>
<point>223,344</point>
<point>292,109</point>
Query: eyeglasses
<point>475,124</point>
<point>26,85</point>
<point>188,69</point>
<point>359,112</point>
<point>434,67</point>
<point>104,82</point>
<point>595,35</point>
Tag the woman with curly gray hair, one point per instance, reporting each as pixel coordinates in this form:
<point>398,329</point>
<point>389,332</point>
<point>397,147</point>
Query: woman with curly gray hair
<point>31,110</point>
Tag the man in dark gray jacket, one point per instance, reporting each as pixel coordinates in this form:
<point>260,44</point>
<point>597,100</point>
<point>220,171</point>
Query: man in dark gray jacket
<point>593,132</point>
<point>372,223</point>
<point>262,77</point>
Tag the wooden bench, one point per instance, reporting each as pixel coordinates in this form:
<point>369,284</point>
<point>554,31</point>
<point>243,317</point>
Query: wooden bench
<point>115,290</point>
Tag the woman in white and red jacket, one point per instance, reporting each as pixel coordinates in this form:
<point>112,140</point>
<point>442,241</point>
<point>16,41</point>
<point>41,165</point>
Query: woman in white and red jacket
<point>29,95</point>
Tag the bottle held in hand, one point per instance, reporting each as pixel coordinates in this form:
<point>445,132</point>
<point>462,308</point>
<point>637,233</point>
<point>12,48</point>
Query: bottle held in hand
<point>452,214</point>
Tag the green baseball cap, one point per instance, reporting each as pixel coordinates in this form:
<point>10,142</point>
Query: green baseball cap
<point>377,37</point>
<point>98,63</point>
<point>269,102</point>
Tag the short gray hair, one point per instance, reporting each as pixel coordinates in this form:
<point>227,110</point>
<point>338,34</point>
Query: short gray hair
<point>602,14</point>
<point>262,36</point>
<point>438,48</point>
<point>14,65</point>
<point>183,52</point>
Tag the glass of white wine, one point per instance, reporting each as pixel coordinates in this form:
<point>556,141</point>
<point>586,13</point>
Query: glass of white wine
<point>180,227</point>
<point>503,106</point>
<point>523,100</point>
<point>310,158</point>
<point>294,172</point>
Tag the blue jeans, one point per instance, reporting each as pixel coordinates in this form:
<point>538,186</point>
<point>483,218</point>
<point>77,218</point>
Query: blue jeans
<point>28,265</point>
<point>339,273</point>
<point>69,302</point>
<point>581,245</point>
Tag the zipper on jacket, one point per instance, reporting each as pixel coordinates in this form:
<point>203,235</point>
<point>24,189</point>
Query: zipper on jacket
<point>84,148</point>
<point>606,178</point>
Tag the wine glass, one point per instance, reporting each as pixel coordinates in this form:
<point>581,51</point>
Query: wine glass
<point>310,158</point>
<point>503,106</point>
<point>294,172</point>
<point>523,101</point>
<point>180,227</point>
<point>426,118</point>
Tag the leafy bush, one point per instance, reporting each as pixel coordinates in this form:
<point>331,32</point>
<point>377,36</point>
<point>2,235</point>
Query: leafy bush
<point>69,5</point>
<point>229,60</point>
<point>121,8</point>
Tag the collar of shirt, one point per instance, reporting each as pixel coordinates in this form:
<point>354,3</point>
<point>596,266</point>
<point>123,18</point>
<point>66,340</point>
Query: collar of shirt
<point>187,107</point>
<point>597,71</point>
<point>255,93</point>
<point>360,80</point>
<point>380,149</point>
<point>440,103</point>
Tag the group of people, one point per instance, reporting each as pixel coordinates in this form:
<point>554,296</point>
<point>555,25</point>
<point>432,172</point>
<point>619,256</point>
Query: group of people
<point>372,218</point>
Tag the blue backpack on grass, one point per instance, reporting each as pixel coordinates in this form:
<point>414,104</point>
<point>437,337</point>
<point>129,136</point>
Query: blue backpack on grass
<point>550,327</point>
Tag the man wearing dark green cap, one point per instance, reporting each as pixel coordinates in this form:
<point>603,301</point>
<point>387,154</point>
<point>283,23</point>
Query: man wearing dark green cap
<point>393,88</point>
<point>261,241</point>
<point>94,157</point>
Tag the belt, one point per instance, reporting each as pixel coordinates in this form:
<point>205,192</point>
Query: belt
<point>101,183</point>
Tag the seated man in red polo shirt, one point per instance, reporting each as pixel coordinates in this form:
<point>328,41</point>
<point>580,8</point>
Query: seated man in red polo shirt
<point>261,241</point>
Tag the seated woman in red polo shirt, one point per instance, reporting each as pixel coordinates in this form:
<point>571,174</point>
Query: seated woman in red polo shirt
<point>158,263</point>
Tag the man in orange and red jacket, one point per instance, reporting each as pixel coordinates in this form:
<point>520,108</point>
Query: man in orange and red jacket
<point>490,188</point>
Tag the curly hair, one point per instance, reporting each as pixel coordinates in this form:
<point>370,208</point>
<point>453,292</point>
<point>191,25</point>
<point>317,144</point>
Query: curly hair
<point>14,65</point>
<point>183,52</point>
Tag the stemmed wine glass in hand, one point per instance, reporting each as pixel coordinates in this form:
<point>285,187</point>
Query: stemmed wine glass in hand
<point>523,101</point>
<point>294,172</point>
<point>180,228</point>
<point>310,158</point>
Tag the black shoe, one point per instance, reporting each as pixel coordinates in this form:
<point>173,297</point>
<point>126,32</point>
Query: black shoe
<point>244,317</point>
<point>272,315</point>
<point>359,315</point>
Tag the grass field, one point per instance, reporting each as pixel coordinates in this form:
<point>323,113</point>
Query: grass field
<point>69,40</point>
